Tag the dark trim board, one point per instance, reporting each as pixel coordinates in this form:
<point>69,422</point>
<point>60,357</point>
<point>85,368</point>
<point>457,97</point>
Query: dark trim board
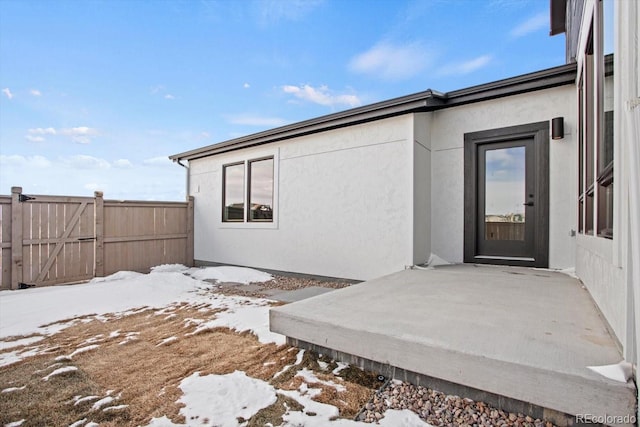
<point>539,132</point>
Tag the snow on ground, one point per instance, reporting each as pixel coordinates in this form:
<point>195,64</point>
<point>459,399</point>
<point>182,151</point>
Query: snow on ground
<point>212,398</point>
<point>230,274</point>
<point>24,312</point>
<point>620,372</point>
<point>237,395</point>
<point>246,318</point>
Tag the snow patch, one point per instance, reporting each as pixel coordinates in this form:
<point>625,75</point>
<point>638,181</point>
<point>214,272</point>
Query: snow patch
<point>60,371</point>
<point>85,399</point>
<point>19,343</point>
<point>24,312</point>
<point>12,389</point>
<point>230,274</point>
<point>435,260</point>
<point>340,367</point>
<point>243,315</point>
<point>102,402</point>
<point>11,357</point>
<point>224,398</point>
<point>167,341</point>
<point>169,268</point>
<point>83,350</point>
<point>15,423</point>
<point>620,372</point>
<point>311,378</point>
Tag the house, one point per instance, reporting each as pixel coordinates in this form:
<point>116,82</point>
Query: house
<point>539,170</point>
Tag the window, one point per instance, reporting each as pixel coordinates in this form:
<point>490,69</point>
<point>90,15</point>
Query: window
<point>233,197</point>
<point>250,199</point>
<point>595,135</point>
<point>261,190</point>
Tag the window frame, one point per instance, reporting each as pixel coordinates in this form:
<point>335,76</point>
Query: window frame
<point>224,191</point>
<point>248,170</point>
<point>246,160</point>
<point>595,188</point>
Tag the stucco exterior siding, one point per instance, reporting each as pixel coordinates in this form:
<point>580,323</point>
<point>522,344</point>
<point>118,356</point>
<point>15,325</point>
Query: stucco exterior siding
<point>421,188</point>
<point>344,205</point>
<point>447,143</point>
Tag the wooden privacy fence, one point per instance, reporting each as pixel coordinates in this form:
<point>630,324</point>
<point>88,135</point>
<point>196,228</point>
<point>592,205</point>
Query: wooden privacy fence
<point>48,240</point>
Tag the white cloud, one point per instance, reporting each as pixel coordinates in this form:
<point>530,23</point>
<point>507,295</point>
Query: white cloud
<point>205,135</point>
<point>122,163</point>
<point>42,131</point>
<point>34,138</point>
<point>157,161</point>
<point>35,92</point>
<point>251,120</point>
<point>531,25</point>
<point>15,160</point>
<point>80,134</point>
<point>169,96</point>
<point>82,161</point>
<point>466,67</point>
<point>321,95</point>
<point>246,85</point>
<point>7,92</point>
<point>392,62</point>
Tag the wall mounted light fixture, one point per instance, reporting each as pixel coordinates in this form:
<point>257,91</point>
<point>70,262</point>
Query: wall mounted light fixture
<point>557,128</point>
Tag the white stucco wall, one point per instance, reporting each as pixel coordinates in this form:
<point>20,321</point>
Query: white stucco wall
<point>447,144</point>
<point>344,208</point>
<point>421,188</point>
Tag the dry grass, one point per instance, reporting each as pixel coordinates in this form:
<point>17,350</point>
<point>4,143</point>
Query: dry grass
<point>144,374</point>
<point>133,366</point>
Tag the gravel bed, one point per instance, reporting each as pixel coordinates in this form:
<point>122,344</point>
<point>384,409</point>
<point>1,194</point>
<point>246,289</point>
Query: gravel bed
<point>283,283</point>
<point>439,409</point>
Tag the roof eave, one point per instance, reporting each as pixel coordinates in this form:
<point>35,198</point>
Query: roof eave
<point>422,101</point>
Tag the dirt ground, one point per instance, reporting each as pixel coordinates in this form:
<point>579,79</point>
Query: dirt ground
<point>133,366</point>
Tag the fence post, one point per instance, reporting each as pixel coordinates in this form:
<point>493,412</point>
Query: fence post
<point>16,237</point>
<point>99,230</point>
<point>190,255</point>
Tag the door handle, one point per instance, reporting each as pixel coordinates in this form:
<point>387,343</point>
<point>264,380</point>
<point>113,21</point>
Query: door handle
<point>528,204</point>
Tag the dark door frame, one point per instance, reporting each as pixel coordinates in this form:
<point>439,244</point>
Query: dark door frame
<point>539,133</point>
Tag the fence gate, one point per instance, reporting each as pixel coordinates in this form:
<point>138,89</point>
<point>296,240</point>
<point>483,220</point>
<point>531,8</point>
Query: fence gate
<point>52,239</point>
<point>49,240</point>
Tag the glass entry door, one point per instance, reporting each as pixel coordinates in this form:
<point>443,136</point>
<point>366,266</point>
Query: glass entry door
<point>506,195</point>
<point>506,212</point>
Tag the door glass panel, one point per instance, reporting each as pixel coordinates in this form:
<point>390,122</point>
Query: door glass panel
<point>505,194</point>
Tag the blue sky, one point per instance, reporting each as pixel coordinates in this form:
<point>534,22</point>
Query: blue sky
<point>96,94</point>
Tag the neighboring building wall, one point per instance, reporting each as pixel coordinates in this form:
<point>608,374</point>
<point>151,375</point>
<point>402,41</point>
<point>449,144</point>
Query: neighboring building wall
<point>447,143</point>
<point>421,188</point>
<point>344,204</point>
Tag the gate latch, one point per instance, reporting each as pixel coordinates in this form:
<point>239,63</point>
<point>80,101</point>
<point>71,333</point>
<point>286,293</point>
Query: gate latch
<point>24,198</point>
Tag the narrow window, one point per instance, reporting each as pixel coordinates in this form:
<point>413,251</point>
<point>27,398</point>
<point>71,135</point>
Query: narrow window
<point>261,190</point>
<point>233,193</point>
<point>605,121</point>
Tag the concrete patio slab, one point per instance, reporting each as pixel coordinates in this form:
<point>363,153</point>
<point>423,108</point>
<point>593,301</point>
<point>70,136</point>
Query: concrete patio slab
<point>525,334</point>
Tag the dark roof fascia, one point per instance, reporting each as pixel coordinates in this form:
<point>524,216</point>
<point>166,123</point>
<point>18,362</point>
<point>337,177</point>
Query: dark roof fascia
<point>429,100</point>
<point>379,110</point>
<point>539,80</point>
